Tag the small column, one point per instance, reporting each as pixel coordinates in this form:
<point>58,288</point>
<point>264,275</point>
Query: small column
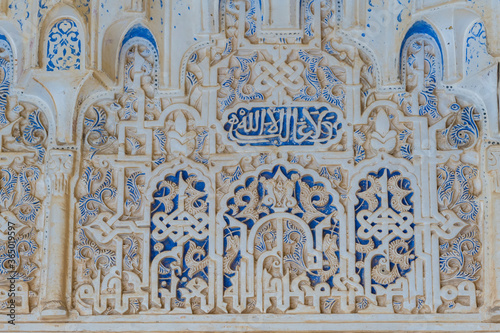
<point>60,167</point>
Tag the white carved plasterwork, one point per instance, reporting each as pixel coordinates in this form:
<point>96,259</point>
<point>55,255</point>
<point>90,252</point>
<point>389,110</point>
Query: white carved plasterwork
<point>249,162</point>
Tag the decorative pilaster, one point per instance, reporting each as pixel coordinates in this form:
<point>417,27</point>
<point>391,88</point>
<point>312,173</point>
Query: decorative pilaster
<point>60,167</point>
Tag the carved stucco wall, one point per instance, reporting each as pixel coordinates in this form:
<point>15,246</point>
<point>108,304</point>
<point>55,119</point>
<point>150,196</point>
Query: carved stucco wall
<point>250,165</point>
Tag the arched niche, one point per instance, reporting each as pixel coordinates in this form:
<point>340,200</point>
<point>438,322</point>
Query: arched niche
<point>116,37</point>
<point>277,16</point>
<point>63,23</point>
<point>10,38</point>
<point>420,30</point>
<point>449,31</point>
<point>273,18</point>
<point>6,76</point>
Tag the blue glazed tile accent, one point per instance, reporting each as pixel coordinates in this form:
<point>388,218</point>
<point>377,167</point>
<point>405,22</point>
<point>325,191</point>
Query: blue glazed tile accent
<point>422,27</point>
<point>475,48</point>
